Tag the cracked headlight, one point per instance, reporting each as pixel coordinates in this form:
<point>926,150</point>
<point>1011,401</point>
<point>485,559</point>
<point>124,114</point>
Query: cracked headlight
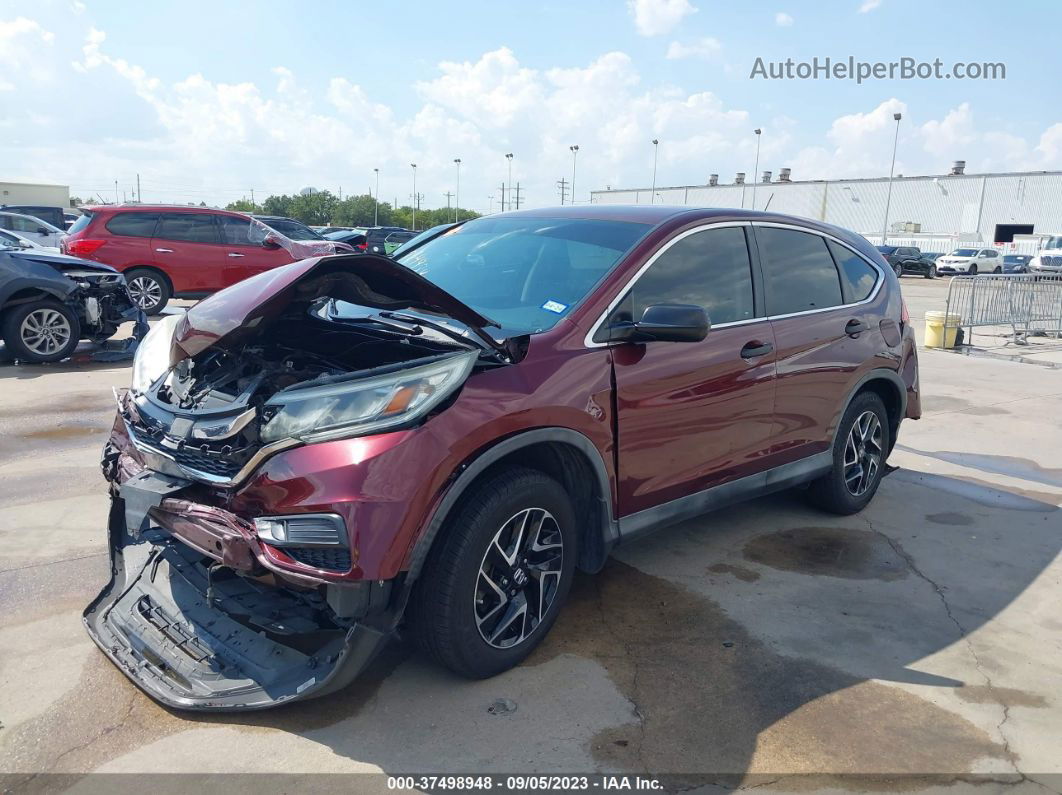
<point>152,357</point>
<point>367,405</point>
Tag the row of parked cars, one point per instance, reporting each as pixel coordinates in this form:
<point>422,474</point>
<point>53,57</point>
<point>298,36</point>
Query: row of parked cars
<point>962,260</point>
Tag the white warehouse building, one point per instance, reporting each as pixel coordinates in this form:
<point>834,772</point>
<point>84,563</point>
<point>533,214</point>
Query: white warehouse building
<point>1012,210</point>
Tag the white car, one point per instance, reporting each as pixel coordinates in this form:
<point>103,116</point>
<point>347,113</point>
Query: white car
<point>15,240</point>
<point>971,261</point>
<point>32,228</point>
<point>1049,259</point>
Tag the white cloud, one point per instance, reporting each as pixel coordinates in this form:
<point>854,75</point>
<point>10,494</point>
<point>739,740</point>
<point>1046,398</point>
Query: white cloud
<point>783,20</point>
<point>950,134</point>
<point>701,48</point>
<point>868,6</point>
<point>20,51</point>
<point>656,17</point>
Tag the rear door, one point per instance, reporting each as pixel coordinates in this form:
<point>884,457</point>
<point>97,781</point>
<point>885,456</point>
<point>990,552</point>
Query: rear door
<point>244,257</point>
<point>186,248</point>
<point>694,414</point>
<point>827,327</point>
<point>128,236</point>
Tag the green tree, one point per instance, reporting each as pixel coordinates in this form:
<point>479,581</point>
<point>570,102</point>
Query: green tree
<point>278,205</point>
<point>241,206</point>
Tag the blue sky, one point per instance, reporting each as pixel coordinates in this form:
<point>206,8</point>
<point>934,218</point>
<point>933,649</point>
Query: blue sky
<point>207,100</point>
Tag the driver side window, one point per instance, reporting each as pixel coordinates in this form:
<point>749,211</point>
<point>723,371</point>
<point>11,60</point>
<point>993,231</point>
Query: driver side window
<point>710,269</point>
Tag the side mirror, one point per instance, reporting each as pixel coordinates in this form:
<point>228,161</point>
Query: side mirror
<point>270,243</point>
<point>666,323</point>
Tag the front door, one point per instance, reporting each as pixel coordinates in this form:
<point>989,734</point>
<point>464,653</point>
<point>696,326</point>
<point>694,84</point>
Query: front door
<point>244,257</point>
<point>185,247</point>
<point>692,415</point>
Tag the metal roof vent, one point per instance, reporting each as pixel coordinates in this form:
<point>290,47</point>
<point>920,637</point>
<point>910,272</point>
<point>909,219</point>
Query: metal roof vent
<point>766,176</point>
<point>739,178</point>
<point>713,179</point>
<point>958,168</point>
<point>783,175</point>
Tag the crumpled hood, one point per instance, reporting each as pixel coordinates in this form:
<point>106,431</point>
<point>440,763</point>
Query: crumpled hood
<point>363,279</point>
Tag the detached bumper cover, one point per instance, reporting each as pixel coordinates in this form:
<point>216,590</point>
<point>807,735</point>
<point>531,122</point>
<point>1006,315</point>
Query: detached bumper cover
<point>200,637</point>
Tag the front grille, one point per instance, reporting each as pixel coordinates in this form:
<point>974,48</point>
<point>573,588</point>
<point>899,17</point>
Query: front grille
<point>1047,261</point>
<point>194,458</point>
<point>330,558</point>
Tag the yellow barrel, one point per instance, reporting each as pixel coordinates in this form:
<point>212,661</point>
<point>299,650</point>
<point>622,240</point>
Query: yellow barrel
<point>935,329</point>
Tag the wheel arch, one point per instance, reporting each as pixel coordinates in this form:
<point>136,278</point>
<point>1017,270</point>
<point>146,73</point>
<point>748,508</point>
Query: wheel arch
<point>888,385</point>
<point>561,453</point>
<point>27,294</point>
<point>153,269</point>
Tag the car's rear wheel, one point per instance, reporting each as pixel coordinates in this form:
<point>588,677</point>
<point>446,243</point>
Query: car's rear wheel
<point>493,589</point>
<point>859,451</point>
<point>932,272</point>
<point>148,289</point>
<point>41,331</point>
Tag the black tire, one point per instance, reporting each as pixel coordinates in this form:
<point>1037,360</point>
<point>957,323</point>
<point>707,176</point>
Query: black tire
<point>445,605</point>
<point>972,270</point>
<point>998,269</point>
<point>41,331</point>
<point>833,492</point>
<point>149,289</point>
<point>899,271</point>
<point>932,272</point>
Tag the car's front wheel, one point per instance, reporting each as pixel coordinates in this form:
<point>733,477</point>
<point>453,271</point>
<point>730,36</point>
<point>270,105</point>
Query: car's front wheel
<point>972,270</point>
<point>148,289</point>
<point>898,269</point>
<point>494,587</point>
<point>859,452</point>
<point>998,269</point>
<point>41,331</point>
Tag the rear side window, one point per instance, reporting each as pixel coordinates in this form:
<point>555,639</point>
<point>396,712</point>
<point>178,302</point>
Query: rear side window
<point>131,224</point>
<point>709,268</point>
<point>858,277</point>
<point>189,227</point>
<point>235,231</point>
<point>799,271</point>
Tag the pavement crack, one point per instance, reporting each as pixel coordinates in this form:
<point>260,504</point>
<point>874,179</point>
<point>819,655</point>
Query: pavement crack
<point>964,636</point>
<point>52,562</point>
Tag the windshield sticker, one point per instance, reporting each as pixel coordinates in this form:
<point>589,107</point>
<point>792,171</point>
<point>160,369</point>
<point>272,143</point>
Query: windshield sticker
<point>555,306</point>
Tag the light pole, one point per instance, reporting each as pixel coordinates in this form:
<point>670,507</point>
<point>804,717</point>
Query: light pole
<point>888,196</point>
<point>414,166</point>
<point>509,157</point>
<point>457,191</point>
<point>575,154</point>
<point>756,168</point>
<point>376,211</point>
<point>656,151</point>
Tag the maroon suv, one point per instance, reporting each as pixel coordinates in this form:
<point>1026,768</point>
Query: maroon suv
<point>333,448</point>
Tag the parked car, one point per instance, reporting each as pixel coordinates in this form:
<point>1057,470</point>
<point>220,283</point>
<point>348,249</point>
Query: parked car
<point>376,238</point>
<point>971,261</point>
<point>15,240</point>
<point>908,259</point>
<point>56,216</point>
<point>69,219</point>
<point>187,252</point>
<point>34,228</point>
<point>1049,259</point>
<point>48,302</point>
<point>354,238</point>
<point>932,256</point>
<point>1016,263</point>
<point>327,230</point>
<point>396,239</point>
<point>320,452</point>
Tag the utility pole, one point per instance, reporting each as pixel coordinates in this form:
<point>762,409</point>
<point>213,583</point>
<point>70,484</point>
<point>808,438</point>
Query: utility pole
<point>503,197</point>
<point>139,198</point>
<point>509,157</point>
<point>116,191</point>
<point>341,193</point>
<point>376,211</point>
<point>517,195</point>
<point>448,195</point>
<point>253,205</point>
<point>563,185</point>
<point>575,153</point>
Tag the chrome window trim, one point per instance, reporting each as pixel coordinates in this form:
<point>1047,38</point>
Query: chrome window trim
<point>588,340</point>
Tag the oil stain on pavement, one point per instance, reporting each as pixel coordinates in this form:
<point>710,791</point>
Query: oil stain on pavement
<point>829,552</point>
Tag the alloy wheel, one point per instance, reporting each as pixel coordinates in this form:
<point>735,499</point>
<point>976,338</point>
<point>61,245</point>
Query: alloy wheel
<point>518,578</point>
<point>45,331</point>
<point>862,453</point>
<point>145,292</point>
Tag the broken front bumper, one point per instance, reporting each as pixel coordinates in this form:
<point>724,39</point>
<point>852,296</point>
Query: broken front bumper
<point>192,618</point>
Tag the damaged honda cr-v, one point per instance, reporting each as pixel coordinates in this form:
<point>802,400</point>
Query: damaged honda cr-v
<point>340,447</point>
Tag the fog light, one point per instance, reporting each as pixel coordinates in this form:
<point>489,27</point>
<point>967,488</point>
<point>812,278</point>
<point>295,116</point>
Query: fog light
<point>303,530</point>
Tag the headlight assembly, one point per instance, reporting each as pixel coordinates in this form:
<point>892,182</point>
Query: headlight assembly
<point>367,405</point>
<point>153,354</point>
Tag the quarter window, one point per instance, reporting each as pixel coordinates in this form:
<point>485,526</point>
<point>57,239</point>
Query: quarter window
<point>709,268</point>
<point>235,231</point>
<point>858,277</point>
<point>133,224</point>
<point>799,271</point>
<point>189,227</point>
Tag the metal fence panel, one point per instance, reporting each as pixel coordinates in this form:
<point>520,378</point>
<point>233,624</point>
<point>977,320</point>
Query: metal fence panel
<point>1026,302</point>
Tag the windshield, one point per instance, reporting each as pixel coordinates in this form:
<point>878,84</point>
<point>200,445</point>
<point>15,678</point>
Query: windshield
<point>964,252</point>
<point>292,230</point>
<point>1015,258</point>
<point>1054,242</point>
<point>524,273</point>
<point>886,249</point>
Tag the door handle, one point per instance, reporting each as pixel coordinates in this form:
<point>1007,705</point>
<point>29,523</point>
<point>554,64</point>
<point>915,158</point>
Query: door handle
<point>234,254</point>
<point>164,250</point>
<point>755,349</point>
<point>853,328</point>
